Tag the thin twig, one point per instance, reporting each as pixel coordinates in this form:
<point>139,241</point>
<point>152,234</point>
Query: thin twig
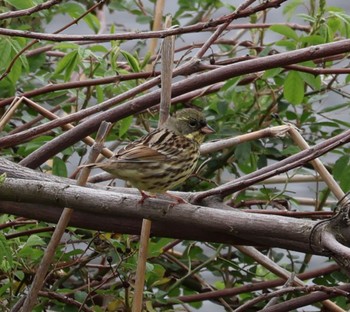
<point>82,84</point>
<point>36,40</point>
<point>279,271</point>
<point>317,164</point>
<point>221,28</point>
<point>10,111</point>
<point>142,35</point>
<point>42,6</point>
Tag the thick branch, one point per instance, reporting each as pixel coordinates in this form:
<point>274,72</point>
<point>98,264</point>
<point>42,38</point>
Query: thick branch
<point>116,224</point>
<point>264,230</point>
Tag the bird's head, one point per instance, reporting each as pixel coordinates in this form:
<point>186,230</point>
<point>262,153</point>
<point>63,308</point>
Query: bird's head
<point>189,123</point>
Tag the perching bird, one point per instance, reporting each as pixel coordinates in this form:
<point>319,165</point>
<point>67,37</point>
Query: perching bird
<point>162,159</point>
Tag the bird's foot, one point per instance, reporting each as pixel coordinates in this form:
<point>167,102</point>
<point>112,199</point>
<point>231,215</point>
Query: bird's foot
<point>144,196</point>
<point>179,200</point>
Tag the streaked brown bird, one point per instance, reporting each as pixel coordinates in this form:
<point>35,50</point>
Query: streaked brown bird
<point>162,159</point>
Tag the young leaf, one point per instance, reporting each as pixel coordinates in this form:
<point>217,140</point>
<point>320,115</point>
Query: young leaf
<point>67,64</point>
<point>133,62</point>
<point>291,6</point>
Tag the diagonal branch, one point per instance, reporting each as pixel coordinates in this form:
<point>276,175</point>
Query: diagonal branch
<point>289,163</point>
<point>196,82</point>
<point>41,6</point>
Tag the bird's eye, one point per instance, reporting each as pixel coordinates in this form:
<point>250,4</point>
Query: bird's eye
<point>193,123</point>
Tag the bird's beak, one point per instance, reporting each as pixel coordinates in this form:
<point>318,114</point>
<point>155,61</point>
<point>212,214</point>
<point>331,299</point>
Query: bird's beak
<point>207,130</point>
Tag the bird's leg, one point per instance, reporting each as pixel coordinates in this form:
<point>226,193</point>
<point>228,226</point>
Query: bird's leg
<point>144,196</point>
<point>179,200</point>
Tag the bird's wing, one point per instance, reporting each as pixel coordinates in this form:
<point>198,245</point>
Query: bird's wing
<point>158,145</point>
<point>139,153</point>
<point>146,149</point>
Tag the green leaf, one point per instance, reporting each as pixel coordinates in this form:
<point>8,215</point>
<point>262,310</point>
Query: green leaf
<point>341,122</point>
<point>6,259</point>
<point>3,177</point>
<point>313,81</point>
<point>149,306</point>
<point>272,72</point>
<point>4,288</point>
<point>334,107</point>
<point>285,31</point>
<point>288,44</point>
<point>30,147</point>
<point>124,125</point>
<point>5,52</point>
<point>339,167</point>
<point>231,83</point>
<point>21,4</point>
<point>294,88</point>
<point>7,88</point>
<point>242,152</point>
<point>35,240</point>
<point>80,296</point>
<point>17,45</point>
<point>144,19</point>
<point>290,150</point>
<point>59,167</point>
<point>345,182</point>
<point>155,276</point>
<point>9,48</point>
<point>64,46</point>
<point>15,73</point>
<point>291,6</point>
<point>99,94</point>
<point>73,9</point>
<point>93,22</point>
<point>67,64</point>
<point>133,62</point>
<point>145,60</point>
<point>34,254</point>
<point>312,40</point>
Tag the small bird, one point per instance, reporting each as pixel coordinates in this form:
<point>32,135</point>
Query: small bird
<point>162,159</point>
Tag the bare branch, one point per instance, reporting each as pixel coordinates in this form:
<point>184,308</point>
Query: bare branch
<point>142,35</point>
<point>283,166</point>
<point>42,6</point>
<point>240,226</point>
